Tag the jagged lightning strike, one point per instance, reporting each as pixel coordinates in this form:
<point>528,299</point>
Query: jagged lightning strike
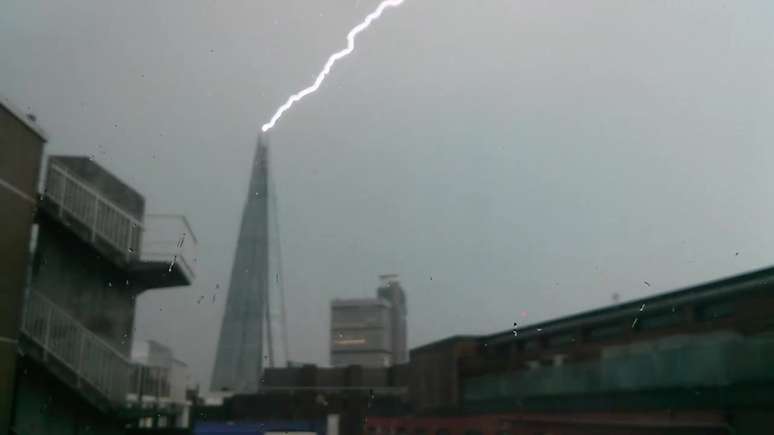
<point>331,60</point>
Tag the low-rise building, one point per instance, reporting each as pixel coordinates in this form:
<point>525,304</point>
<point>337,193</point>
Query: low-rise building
<point>332,400</point>
<point>164,383</point>
<point>96,250</point>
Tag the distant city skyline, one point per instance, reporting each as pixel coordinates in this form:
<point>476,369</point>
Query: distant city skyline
<point>513,161</point>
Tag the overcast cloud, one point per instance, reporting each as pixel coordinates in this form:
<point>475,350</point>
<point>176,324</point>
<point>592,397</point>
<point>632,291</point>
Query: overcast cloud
<point>511,160</point>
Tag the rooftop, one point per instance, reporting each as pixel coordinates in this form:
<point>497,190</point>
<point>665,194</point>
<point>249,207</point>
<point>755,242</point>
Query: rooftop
<point>27,119</point>
<point>360,302</point>
<point>713,289</point>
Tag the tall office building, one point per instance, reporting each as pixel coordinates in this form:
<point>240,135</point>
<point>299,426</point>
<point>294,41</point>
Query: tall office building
<point>391,291</point>
<point>370,332</point>
<point>239,360</point>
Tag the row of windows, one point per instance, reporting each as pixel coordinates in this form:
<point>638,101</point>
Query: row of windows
<point>645,322</point>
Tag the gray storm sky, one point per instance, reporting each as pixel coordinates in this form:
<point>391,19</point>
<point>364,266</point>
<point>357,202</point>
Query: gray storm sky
<point>511,160</point>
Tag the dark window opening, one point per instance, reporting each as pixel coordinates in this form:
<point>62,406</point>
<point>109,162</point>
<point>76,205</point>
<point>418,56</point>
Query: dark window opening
<point>716,310</point>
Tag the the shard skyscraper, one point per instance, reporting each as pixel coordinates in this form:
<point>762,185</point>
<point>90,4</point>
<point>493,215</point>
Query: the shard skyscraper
<point>239,361</point>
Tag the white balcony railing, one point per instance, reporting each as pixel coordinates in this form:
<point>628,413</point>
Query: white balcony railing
<point>103,218</point>
<point>92,360</point>
<point>166,238</point>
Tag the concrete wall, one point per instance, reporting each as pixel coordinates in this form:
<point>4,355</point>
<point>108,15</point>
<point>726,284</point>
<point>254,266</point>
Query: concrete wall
<point>45,406</point>
<point>93,290</point>
<point>20,158</point>
<point>434,377</point>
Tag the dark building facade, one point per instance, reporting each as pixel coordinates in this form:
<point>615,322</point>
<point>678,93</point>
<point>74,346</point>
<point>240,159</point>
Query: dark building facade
<point>96,250</point>
<point>692,361</point>
<point>434,376</point>
<point>313,396</point>
<point>21,150</point>
<point>688,362</point>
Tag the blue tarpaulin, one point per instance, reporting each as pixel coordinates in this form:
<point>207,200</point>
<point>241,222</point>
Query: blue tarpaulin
<point>262,427</point>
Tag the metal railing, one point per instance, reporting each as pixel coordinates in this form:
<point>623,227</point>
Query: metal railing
<point>149,381</point>
<point>164,238</point>
<point>169,238</point>
<point>88,357</point>
<point>92,360</point>
<point>157,387</point>
<point>715,362</point>
<point>103,218</point>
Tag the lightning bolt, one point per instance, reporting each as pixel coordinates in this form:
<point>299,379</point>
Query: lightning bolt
<point>331,60</point>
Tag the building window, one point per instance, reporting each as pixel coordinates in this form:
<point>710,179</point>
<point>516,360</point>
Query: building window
<point>716,310</point>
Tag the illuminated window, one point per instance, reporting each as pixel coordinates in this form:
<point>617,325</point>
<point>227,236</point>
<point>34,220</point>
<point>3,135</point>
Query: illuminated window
<point>349,341</point>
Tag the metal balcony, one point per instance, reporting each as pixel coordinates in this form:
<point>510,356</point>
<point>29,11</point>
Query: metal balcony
<point>160,249</point>
<point>168,249</point>
<point>673,363</point>
<point>80,358</point>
